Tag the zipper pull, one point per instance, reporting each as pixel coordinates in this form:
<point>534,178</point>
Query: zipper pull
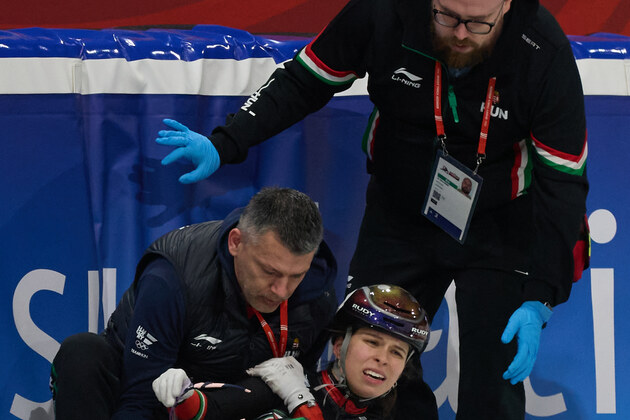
<point>452,101</point>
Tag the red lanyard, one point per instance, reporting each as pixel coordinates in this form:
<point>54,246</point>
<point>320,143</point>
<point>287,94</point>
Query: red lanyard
<point>284,330</point>
<point>437,100</point>
<point>485,124</point>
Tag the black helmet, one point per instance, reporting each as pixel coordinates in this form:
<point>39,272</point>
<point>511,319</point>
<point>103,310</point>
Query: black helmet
<point>389,308</point>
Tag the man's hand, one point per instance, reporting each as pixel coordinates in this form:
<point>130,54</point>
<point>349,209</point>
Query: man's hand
<point>170,387</point>
<point>526,322</point>
<point>285,377</point>
<point>192,146</point>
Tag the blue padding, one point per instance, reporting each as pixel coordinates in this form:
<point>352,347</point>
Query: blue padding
<point>601,45</point>
<point>209,41</point>
<point>203,41</point>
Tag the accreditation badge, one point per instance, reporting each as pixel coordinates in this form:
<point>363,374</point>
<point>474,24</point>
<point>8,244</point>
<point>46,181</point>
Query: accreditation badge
<point>451,196</point>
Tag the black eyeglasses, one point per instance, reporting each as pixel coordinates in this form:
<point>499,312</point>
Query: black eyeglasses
<point>472,26</point>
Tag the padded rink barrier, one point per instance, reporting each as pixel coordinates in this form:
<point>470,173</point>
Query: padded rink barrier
<point>83,193</point>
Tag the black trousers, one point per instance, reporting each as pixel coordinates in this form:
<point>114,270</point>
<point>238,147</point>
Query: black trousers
<point>405,249</point>
<point>85,378</point>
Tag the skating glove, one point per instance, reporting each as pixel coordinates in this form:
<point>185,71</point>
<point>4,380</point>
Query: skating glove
<point>192,146</point>
<point>526,323</point>
<point>285,377</point>
<point>170,388</point>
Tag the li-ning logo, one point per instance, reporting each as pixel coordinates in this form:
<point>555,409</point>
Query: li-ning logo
<point>403,76</point>
<point>205,337</point>
<point>362,310</point>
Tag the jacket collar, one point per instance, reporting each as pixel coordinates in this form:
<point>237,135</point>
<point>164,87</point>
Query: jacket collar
<point>230,285</point>
<point>415,16</point>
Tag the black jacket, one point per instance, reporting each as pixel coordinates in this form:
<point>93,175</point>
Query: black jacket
<point>534,191</point>
<point>207,333</point>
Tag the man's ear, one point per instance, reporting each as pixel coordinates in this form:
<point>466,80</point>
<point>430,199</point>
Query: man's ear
<point>235,238</point>
<point>337,346</point>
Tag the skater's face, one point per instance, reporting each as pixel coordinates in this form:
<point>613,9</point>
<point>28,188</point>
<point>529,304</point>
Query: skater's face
<point>374,361</point>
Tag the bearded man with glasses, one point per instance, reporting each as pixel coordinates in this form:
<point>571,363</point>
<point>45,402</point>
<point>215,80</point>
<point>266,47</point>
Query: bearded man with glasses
<point>465,42</point>
<point>481,89</point>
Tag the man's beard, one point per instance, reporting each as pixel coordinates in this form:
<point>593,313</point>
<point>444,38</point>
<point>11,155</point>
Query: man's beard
<point>457,60</point>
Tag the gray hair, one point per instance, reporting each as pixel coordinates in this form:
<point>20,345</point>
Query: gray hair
<point>289,213</point>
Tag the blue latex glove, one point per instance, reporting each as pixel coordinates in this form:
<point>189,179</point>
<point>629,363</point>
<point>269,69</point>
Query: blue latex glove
<point>190,145</point>
<point>526,322</point>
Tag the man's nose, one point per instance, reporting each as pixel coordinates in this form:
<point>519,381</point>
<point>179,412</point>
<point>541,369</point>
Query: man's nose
<point>280,287</point>
<point>460,31</point>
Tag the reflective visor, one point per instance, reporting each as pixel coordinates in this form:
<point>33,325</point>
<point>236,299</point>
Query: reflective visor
<point>391,309</point>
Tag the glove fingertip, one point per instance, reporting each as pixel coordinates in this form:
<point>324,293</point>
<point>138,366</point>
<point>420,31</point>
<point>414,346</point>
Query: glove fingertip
<point>186,179</point>
<point>175,124</point>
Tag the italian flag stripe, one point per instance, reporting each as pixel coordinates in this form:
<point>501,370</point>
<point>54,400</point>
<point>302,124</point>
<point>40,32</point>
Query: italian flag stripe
<point>521,171</point>
<point>202,406</point>
<point>367,143</point>
<point>565,162</point>
<point>309,60</point>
